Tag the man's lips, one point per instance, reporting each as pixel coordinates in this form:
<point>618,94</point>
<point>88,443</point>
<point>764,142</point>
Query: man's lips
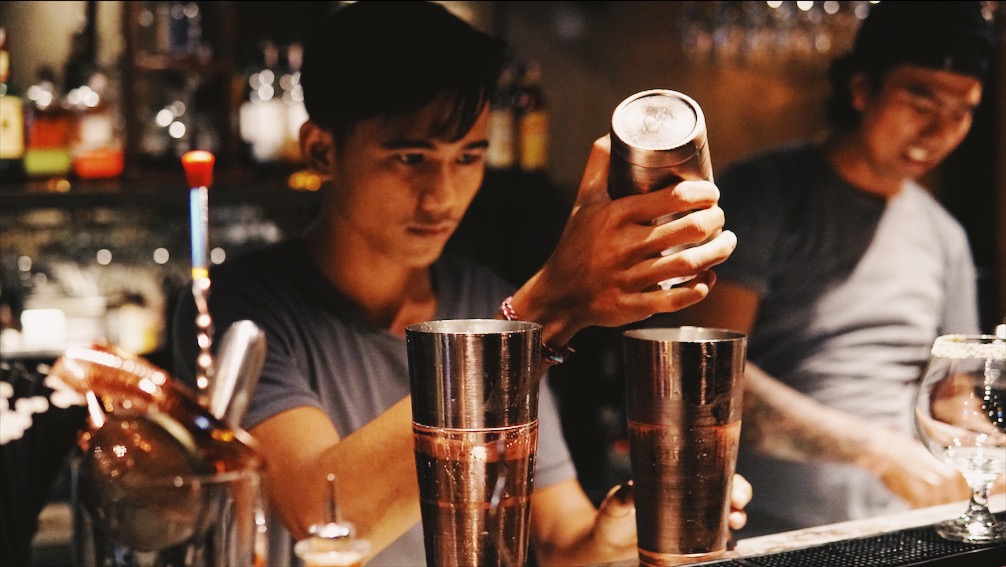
<point>435,229</point>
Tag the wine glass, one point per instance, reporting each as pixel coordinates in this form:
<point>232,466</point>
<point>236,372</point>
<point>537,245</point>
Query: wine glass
<point>961,418</point>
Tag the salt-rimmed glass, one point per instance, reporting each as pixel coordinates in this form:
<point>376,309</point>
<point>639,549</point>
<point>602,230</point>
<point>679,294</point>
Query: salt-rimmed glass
<point>961,418</point>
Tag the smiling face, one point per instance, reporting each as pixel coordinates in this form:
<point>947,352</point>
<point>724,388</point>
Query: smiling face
<point>914,120</point>
<point>398,191</point>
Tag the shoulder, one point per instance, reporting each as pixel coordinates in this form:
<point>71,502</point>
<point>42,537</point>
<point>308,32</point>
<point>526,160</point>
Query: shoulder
<point>767,182</point>
<point>265,258</point>
<point>782,156</point>
<point>277,279</point>
<point>767,187</point>
<point>468,289</point>
<point>923,208</point>
<point>925,203</point>
<point>762,197</point>
<point>464,269</point>
<point>284,264</point>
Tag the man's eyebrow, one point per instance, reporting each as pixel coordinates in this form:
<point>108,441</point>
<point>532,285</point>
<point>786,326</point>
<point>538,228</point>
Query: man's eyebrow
<point>926,90</point>
<point>408,144</point>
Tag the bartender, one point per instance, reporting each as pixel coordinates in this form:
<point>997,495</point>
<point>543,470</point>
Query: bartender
<point>397,94</point>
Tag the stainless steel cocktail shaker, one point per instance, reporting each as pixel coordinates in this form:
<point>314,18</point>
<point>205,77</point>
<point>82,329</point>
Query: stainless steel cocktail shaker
<point>474,386</point>
<point>658,137</point>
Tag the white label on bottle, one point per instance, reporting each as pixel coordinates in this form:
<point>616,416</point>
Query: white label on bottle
<point>11,128</point>
<point>500,154</point>
<point>263,125</point>
<point>96,131</point>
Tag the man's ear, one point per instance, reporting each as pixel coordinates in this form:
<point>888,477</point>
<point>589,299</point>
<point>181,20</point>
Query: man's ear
<point>860,91</point>
<point>317,146</point>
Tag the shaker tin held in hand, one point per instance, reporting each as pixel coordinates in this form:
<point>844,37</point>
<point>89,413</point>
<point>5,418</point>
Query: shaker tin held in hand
<point>658,137</point>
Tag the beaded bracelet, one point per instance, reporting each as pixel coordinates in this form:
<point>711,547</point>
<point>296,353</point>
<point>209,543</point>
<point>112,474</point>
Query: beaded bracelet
<point>549,354</point>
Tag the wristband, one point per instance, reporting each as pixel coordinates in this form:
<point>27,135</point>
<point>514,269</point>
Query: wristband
<point>549,355</point>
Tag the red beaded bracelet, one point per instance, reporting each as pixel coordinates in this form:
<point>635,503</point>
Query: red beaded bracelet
<point>549,354</point>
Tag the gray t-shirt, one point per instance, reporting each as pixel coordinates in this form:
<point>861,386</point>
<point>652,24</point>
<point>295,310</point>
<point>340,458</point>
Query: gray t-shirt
<point>853,290</point>
<point>322,353</point>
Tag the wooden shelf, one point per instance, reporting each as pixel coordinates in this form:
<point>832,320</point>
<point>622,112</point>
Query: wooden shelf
<point>185,63</point>
<point>159,189</point>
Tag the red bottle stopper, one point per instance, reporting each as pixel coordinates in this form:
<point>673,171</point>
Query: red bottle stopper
<point>198,168</point>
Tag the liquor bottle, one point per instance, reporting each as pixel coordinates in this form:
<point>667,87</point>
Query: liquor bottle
<point>293,99</point>
<point>98,151</point>
<point>11,121</point>
<point>502,152</point>
<point>184,28</point>
<point>49,126</point>
<point>532,121</point>
<point>97,140</point>
<point>262,116</point>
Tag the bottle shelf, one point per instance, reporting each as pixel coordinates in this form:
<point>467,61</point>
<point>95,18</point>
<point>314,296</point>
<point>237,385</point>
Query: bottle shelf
<point>155,188</point>
<point>179,63</point>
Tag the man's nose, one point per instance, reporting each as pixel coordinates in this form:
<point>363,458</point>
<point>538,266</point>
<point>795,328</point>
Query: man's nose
<point>440,188</point>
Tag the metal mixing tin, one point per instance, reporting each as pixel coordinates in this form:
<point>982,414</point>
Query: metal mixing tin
<point>658,137</point>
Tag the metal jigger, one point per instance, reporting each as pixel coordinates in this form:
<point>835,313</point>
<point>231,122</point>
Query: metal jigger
<point>334,543</point>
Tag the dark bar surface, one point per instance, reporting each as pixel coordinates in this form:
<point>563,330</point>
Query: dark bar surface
<point>920,546</point>
<point>905,539</point>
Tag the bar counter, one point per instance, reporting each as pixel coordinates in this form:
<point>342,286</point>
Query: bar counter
<point>884,541</point>
<point>897,540</point>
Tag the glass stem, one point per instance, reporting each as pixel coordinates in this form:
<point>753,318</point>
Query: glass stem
<point>978,507</point>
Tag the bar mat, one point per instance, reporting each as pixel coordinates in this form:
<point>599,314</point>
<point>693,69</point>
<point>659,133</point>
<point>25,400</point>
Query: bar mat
<point>906,548</point>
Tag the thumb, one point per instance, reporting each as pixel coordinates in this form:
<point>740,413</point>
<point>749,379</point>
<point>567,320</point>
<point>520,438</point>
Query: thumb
<point>616,518</point>
<point>619,501</point>
<point>594,183</point>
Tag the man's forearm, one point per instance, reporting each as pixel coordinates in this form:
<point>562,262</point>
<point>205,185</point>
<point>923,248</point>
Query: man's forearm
<point>374,466</point>
<point>786,424</point>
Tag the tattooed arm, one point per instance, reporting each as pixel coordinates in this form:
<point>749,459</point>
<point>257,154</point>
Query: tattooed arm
<point>785,424</point>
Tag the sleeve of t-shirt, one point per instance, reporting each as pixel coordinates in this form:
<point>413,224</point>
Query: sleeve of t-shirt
<point>244,295</point>
<point>751,198</point>
<point>553,462</point>
<point>960,311</point>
